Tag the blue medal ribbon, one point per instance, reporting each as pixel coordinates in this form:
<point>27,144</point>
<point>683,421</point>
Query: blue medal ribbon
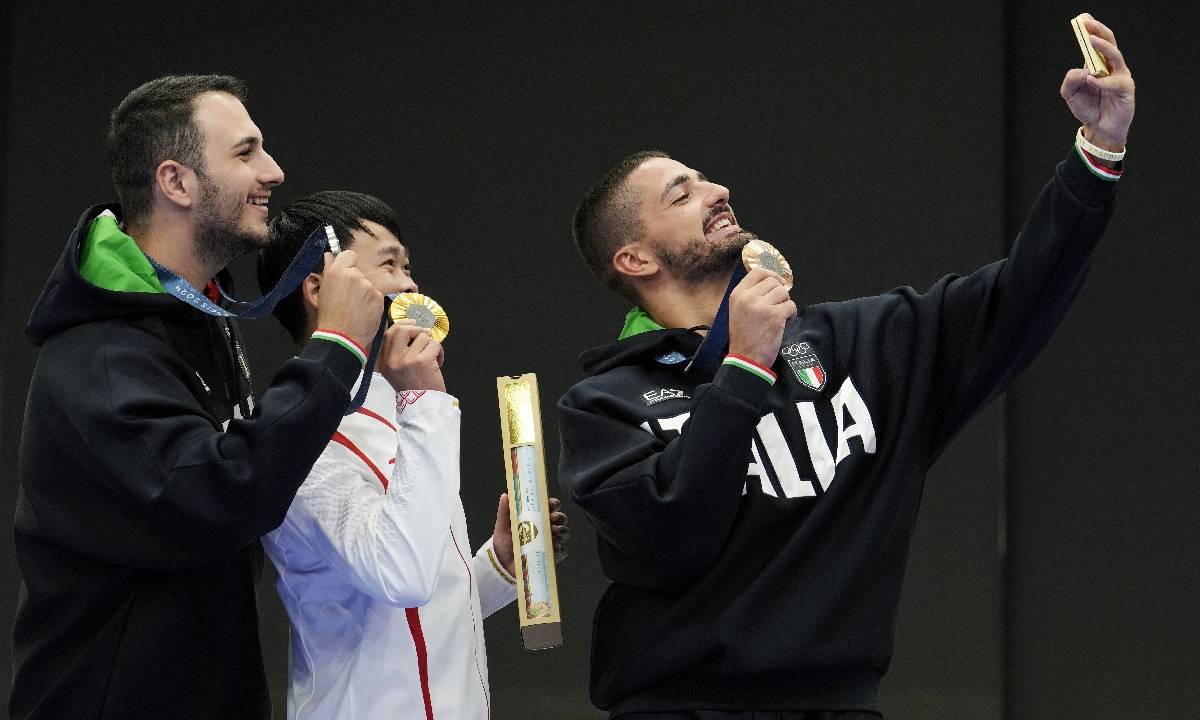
<point>301,265</point>
<point>718,335</point>
<point>304,262</point>
<point>364,387</point>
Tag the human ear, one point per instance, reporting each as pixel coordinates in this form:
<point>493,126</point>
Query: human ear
<point>635,260</point>
<point>177,183</point>
<point>311,290</point>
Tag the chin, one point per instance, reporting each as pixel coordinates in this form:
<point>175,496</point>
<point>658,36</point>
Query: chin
<point>740,238</point>
<point>256,232</point>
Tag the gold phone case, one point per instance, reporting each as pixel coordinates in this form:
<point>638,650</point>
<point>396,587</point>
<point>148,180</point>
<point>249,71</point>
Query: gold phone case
<point>1096,63</point>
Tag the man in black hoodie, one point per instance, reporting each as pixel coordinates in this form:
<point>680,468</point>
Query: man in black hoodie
<point>754,516</point>
<point>147,473</point>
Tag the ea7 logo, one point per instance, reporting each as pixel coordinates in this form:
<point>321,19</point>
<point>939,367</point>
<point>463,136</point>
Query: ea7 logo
<point>657,396</point>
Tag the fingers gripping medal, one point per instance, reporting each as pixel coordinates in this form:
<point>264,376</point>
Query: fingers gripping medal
<point>761,254</point>
<point>422,310</point>
<point>756,253</point>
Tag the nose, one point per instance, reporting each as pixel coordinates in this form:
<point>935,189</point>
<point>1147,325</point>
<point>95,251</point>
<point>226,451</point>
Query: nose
<point>270,174</point>
<point>407,284</point>
<point>717,195</point>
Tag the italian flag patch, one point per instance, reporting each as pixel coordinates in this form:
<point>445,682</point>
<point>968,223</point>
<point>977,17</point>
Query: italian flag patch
<point>811,376</point>
<point>803,361</point>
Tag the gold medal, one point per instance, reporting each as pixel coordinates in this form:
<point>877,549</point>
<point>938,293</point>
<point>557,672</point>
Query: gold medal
<point>757,253</point>
<point>422,310</point>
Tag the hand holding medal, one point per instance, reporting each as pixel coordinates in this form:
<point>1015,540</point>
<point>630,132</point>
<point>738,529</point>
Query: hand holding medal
<point>423,311</point>
<point>755,254</point>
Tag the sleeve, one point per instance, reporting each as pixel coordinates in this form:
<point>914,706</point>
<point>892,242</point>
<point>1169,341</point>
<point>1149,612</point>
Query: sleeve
<point>496,587</point>
<point>157,483</point>
<point>989,326</point>
<point>389,545</point>
<point>663,507</point>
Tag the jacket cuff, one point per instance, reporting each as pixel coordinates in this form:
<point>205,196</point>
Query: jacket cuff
<point>343,363</point>
<point>489,551</point>
<point>411,405</point>
<point>1084,184</point>
<point>743,384</point>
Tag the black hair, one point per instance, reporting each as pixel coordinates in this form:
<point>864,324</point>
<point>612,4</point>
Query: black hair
<point>154,123</point>
<point>607,219</point>
<point>345,211</point>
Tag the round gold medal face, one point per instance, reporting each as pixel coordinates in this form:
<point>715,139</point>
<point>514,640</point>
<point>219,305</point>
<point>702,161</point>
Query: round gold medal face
<point>422,310</point>
<point>762,254</point>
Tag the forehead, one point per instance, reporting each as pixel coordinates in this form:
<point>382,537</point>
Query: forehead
<point>380,238</point>
<point>652,176</point>
<point>224,119</point>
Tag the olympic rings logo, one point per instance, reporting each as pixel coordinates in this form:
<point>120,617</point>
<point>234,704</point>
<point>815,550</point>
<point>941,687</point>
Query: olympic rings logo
<point>796,350</point>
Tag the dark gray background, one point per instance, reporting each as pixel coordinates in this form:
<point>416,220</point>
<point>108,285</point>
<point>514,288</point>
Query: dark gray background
<point>1053,572</point>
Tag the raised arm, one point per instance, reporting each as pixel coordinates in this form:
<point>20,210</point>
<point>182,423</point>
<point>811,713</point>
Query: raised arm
<point>992,323</point>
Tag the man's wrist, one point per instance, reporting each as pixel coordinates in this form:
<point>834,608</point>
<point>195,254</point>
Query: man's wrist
<point>342,339</point>
<point>1104,164</point>
<point>752,366</point>
<point>1104,142</point>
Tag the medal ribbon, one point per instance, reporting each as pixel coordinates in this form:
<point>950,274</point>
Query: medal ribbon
<point>304,262</point>
<point>300,267</point>
<point>718,335</point>
<point>360,397</point>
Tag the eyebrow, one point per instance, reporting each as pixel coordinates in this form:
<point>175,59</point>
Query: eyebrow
<point>393,251</point>
<point>679,180</point>
<point>248,141</point>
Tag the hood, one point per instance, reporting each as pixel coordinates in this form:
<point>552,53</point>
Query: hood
<point>640,348</point>
<point>69,298</point>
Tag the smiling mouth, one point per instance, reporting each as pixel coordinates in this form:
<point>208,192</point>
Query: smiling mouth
<point>721,221</point>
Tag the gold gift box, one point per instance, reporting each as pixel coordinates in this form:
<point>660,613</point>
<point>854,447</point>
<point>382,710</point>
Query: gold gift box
<point>529,511</point>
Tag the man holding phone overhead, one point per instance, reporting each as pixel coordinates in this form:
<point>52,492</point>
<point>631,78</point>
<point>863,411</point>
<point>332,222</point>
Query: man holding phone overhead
<point>755,514</point>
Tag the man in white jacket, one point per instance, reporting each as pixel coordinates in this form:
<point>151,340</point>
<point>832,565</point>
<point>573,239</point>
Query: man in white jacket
<point>386,600</point>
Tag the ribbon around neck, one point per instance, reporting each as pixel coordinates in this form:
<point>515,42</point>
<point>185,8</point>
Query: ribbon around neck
<point>718,335</point>
<point>301,265</point>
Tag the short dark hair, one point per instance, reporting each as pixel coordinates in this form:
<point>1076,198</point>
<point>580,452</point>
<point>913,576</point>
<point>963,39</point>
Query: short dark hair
<point>154,123</point>
<point>607,219</point>
<point>345,211</point>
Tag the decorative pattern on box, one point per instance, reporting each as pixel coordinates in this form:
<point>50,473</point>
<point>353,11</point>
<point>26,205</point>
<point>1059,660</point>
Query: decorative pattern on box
<point>529,511</point>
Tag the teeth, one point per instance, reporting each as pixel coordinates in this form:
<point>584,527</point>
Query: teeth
<point>722,223</point>
<point>258,201</point>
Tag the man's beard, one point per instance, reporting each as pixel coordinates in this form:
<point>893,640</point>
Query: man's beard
<point>700,260</point>
<point>220,237</point>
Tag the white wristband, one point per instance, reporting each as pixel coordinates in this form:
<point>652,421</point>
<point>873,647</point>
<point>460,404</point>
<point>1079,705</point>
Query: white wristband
<point>1094,151</point>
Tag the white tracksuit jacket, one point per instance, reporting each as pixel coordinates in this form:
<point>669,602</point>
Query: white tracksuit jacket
<point>385,600</point>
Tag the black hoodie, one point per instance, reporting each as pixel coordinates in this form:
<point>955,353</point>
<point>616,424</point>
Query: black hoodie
<point>143,495</point>
<point>756,535</point>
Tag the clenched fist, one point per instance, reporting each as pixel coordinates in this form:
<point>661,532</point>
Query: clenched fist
<point>759,308</point>
<point>409,359</point>
<point>349,303</point>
